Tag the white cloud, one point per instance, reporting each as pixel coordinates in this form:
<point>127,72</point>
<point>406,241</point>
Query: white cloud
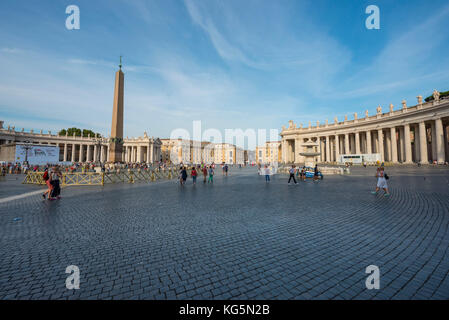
<point>224,48</point>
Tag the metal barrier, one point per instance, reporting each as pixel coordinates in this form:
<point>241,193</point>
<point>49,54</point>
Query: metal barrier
<point>100,178</point>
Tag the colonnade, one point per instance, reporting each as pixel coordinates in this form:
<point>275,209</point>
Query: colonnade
<point>138,153</point>
<point>424,142</point>
<point>84,152</point>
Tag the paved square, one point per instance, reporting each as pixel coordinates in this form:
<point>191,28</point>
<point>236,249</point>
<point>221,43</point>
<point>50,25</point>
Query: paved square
<point>239,238</point>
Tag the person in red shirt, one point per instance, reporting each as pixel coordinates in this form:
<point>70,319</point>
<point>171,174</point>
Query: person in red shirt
<point>194,174</point>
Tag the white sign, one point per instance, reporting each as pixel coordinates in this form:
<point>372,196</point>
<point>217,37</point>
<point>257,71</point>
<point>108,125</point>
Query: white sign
<point>37,154</point>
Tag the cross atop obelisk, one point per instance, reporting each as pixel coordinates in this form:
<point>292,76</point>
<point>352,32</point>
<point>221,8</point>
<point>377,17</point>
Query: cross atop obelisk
<point>116,142</point>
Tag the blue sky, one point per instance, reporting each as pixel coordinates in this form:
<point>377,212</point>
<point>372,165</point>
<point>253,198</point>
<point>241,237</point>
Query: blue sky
<point>231,64</point>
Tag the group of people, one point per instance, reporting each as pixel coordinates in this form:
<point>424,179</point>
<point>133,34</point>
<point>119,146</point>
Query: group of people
<point>301,173</point>
<point>12,168</point>
<point>51,179</point>
<point>207,171</point>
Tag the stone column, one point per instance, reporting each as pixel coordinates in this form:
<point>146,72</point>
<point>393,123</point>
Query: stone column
<point>351,144</point>
<point>296,151</point>
<point>347,144</point>
<point>362,143</point>
<point>337,148</point>
<point>153,157</point>
<point>401,145</point>
<point>394,145</point>
<point>139,154</point>
<point>328,155</point>
<point>89,155</point>
<point>322,148</point>
<point>331,150</point>
<point>416,144</point>
<point>357,143</point>
<point>148,153</point>
<point>283,149</point>
<point>446,142</point>
<point>102,153</point>
<point>95,153</point>
<point>380,138</point>
<point>369,149</point>
<point>387,155</point>
<point>433,145</point>
<point>81,155</point>
<point>439,141</point>
<point>65,152</point>
<point>73,152</point>
<point>423,158</point>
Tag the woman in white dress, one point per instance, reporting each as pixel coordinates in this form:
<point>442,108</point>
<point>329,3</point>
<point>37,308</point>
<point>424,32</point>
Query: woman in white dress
<point>381,181</point>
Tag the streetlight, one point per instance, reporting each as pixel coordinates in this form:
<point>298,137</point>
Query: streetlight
<point>27,147</point>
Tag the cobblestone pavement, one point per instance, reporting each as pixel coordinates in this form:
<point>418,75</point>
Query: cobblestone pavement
<point>239,238</point>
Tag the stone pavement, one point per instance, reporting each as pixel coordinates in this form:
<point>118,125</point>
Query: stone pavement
<point>239,238</point>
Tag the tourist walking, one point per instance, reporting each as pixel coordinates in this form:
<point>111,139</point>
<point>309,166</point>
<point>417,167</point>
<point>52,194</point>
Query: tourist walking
<point>267,173</point>
<point>315,173</point>
<point>183,176</point>
<point>54,180</point>
<point>205,173</point>
<point>194,174</point>
<point>381,181</point>
<point>211,175</point>
<point>46,177</point>
<point>292,174</point>
<point>226,169</point>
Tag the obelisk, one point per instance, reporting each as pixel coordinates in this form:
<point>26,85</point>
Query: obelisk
<point>116,141</point>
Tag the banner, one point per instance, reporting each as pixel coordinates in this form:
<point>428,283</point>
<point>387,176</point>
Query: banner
<point>37,154</point>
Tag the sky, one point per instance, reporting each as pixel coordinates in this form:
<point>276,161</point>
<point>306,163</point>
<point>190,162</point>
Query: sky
<point>253,64</point>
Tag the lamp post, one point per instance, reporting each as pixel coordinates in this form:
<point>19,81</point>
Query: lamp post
<point>27,147</point>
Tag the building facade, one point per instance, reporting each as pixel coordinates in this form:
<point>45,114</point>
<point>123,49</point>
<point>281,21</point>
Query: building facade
<point>409,134</point>
<point>228,153</point>
<point>271,152</point>
<point>85,149</point>
<point>176,151</point>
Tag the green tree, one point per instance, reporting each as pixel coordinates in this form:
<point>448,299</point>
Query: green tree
<point>442,95</point>
<point>78,132</point>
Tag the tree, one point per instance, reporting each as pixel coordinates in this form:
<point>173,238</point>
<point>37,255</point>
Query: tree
<point>78,132</point>
<point>442,95</point>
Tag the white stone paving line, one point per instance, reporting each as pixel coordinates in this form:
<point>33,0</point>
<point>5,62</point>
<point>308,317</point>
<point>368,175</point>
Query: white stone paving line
<point>20,196</point>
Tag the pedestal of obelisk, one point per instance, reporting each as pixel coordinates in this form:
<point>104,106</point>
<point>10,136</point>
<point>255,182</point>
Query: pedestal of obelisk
<point>116,142</point>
